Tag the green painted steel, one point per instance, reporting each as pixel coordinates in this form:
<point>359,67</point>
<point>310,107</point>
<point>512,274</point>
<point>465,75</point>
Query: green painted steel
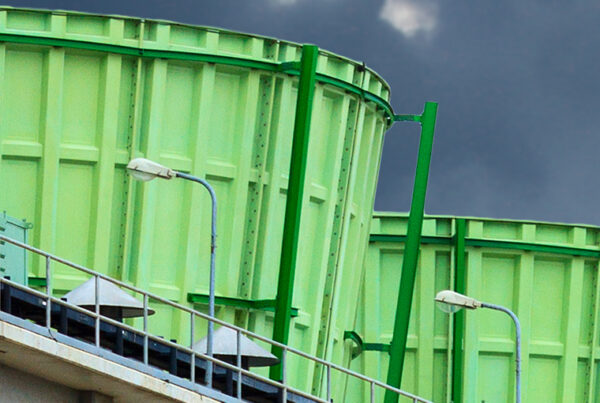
<point>285,67</point>
<point>293,206</point>
<point>555,294</point>
<point>81,95</point>
<point>325,342</point>
<point>411,254</point>
<point>501,244</point>
<point>460,286</point>
<point>264,304</point>
<point>362,345</point>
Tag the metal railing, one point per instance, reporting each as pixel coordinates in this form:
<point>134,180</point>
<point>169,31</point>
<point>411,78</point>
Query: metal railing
<point>283,386</point>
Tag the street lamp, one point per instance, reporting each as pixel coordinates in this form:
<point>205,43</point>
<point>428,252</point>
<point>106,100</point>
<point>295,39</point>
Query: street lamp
<point>450,302</point>
<point>146,170</point>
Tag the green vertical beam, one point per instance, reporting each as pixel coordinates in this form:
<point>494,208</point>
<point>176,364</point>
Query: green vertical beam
<point>592,384</point>
<point>460,286</point>
<point>293,207</point>
<point>45,218</point>
<point>411,251</point>
<point>105,169</point>
<point>571,329</point>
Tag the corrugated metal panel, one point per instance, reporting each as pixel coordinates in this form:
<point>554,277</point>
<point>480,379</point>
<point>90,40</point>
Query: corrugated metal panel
<point>546,273</point>
<point>78,102</point>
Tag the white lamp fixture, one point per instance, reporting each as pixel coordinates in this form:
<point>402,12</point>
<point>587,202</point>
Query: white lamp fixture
<point>450,301</point>
<point>146,170</point>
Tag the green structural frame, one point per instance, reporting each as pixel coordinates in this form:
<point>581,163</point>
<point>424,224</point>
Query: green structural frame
<point>459,241</point>
<point>362,345</point>
<point>306,69</point>
<point>196,298</point>
<point>494,244</point>
<point>460,286</point>
<point>292,68</point>
<point>293,206</point>
<point>256,304</point>
<point>411,250</point>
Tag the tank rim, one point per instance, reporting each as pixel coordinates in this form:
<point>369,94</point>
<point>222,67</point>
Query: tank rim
<point>208,29</point>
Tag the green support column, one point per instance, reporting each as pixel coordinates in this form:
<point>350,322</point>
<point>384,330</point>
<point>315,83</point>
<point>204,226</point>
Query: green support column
<point>293,207</point>
<point>460,286</point>
<point>411,250</point>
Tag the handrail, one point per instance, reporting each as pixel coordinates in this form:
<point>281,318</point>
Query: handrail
<point>194,314</point>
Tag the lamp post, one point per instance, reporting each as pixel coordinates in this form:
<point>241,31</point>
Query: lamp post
<point>450,302</point>
<point>146,170</point>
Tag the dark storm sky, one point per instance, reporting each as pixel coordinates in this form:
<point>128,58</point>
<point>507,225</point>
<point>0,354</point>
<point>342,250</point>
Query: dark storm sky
<point>517,82</point>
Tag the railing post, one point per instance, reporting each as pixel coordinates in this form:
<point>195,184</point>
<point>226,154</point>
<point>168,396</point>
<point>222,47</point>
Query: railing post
<point>208,375</point>
<point>192,356</point>
<point>372,392</point>
<point>49,293</point>
<point>239,363</point>
<point>411,253</point>
<point>97,310</point>
<point>293,206</point>
<point>284,374</point>
<point>146,329</point>
<point>328,383</point>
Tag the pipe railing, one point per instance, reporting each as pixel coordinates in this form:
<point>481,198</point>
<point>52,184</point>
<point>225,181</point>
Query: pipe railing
<point>147,337</point>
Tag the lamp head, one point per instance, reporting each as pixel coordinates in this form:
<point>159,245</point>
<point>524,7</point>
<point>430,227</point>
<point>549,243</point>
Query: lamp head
<point>450,301</point>
<point>146,170</point>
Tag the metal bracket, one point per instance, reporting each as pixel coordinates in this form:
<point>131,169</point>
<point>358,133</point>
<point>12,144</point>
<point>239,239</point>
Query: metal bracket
<point>290,67</point>
<point>33,281</point>
<point>362,346</point>
<point>259,304</point>
<point>408,118</point>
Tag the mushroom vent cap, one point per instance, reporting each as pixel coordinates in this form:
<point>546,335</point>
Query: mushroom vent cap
<point>111,296</point>
<point>225,347</point>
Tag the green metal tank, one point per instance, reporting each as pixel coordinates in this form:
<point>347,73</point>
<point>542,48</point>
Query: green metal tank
<point>83,94</point>
<point>546,273</point>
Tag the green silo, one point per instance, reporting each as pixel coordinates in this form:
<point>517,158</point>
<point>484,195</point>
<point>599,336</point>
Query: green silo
<point>546,273</point>
<point>83,94</point>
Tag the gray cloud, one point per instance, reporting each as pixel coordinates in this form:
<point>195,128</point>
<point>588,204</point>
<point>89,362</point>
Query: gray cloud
<point>410,17</point>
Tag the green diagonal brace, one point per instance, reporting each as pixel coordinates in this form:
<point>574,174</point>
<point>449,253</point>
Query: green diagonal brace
<point>293,207</point>
<point>411,252</point>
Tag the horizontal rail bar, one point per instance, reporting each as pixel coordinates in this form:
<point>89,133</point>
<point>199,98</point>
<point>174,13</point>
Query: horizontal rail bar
<point>196,313</point>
